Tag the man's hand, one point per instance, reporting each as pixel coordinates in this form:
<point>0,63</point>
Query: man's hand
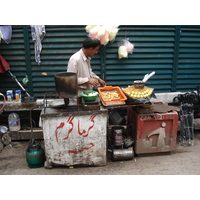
<point>102,82</point>
<point>94,82</point>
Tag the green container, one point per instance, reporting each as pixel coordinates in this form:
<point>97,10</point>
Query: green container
<point>35,156</point>
<point>86,95</point>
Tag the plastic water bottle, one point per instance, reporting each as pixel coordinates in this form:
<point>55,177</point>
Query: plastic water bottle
<point>14,122</point>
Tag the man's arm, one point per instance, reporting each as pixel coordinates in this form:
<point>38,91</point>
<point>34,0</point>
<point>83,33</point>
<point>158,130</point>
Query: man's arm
<point>72,67</point>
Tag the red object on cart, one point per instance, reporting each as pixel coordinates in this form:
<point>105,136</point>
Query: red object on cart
<point>154,132</point>
<point>4,66</point>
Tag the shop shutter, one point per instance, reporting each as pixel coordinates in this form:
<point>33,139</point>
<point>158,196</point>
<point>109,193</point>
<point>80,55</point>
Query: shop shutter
<point>188,74</point>
<point>59,43</point>
<point>154,51</point>
<point>173,52</point>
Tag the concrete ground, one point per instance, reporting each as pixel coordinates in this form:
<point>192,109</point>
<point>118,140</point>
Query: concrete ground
<point>185,161</point>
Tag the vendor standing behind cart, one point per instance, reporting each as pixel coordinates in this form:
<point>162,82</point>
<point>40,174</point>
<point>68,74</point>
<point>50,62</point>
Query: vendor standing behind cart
<point>80,64</point>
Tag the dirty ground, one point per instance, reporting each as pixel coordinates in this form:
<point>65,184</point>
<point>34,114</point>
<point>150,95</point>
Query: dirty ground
<point>185,161</point>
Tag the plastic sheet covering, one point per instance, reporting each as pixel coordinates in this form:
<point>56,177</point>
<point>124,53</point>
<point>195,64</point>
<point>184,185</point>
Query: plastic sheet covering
<point>38,32</point>
<point>6,33</point>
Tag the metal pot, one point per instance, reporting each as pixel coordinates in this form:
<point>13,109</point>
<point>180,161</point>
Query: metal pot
<point>66,84</point>
<point>139,84</point>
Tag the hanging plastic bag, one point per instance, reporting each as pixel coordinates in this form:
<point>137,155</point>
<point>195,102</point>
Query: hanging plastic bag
<point>122,52</point>
<point>89,27</point>
<point>6,32</point>
<point>129,46</point>
<point>104,33</point>
<point>101,32</point>
<point>125,47</point>
<point>25,80</point>
<point>113,33</point>
<point>105,38</point>
<point>38,32</point>
<point>94,31</point>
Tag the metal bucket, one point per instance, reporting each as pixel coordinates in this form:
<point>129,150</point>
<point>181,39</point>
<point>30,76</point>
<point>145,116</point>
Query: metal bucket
<point>66,84</point>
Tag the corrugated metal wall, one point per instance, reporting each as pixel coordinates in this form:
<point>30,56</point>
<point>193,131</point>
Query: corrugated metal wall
<point>14,53</point>
<point>188,69</point>
<point>173,52</point>
<point>59,43</point>
<point>154,51</point>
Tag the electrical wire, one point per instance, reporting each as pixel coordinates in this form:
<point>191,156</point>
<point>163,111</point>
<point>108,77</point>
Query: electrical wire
<point>4,103</point>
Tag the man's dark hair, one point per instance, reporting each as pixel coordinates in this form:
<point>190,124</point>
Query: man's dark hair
<point>91,42</point>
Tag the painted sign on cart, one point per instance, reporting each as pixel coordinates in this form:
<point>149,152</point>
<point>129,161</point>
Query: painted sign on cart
<point>75,139</point>
<point>82,130</point>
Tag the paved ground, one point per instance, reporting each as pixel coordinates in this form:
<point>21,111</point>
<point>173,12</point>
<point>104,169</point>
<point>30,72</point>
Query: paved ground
<point>185,161</point>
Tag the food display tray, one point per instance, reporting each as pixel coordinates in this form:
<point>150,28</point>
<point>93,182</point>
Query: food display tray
<point>141,100</point>
<point>110,102</point>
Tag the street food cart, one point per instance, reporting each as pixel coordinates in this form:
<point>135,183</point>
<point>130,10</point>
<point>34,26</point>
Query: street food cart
<point>76,130</point>
<point>116,123</point>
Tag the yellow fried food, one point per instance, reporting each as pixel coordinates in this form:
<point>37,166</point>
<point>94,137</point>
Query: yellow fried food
<point>138,93</point>
<point>110,95</point>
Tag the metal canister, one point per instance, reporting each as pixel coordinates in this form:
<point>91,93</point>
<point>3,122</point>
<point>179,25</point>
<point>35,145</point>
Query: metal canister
<point>122,154</point>
<point>35,155</point>
<point>9,95</point>
<point>17,95</point>
<point>117,135</point>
